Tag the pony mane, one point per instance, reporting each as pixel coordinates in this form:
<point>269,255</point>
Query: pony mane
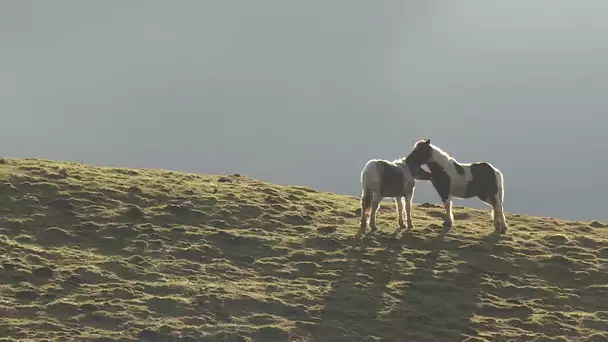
<point>399,160</point>
<point>401,163</point>
<point>441,156</point>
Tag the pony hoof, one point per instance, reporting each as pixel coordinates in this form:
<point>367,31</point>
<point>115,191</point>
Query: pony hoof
<point>410,225</point>
<point>500,229</point>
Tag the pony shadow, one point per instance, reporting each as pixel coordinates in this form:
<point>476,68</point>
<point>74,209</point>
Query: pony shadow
<point>438,302</point>
<point>368,233</point>
<point>435,300</point>
<point>356,296</point>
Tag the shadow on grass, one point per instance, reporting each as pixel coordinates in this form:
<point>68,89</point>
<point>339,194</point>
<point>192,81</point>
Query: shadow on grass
<point>436,300</point>
<point>442,293</point>
<point>356,298</point>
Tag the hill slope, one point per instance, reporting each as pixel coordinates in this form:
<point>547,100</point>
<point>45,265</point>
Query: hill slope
<point>106,254</point>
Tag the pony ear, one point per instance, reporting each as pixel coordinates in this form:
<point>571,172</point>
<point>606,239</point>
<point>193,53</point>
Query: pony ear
<point>428,141</point>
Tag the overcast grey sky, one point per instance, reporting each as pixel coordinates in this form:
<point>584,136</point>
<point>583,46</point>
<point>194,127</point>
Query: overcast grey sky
<point>306,92</point>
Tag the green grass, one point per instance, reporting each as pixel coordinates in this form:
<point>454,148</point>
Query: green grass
<point>104,254</point>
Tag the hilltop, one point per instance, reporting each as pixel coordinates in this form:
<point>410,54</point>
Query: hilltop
<point>113,254</point>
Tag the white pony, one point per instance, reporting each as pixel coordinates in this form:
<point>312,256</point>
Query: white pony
<point>381,178</point>
<point>453,179</point>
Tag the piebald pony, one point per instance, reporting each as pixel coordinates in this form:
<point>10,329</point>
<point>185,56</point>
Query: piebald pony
<point>453,179</point>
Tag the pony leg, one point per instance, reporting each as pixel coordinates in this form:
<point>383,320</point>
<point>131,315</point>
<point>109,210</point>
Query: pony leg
<point>495,215</point>
<point>495,212</point>
<point>500,222</point>
<point>449,216</point>
<point>374,209</point>
<point>408,209</point>
<point>399,203</point>
<point>499,207</point>
<point>366,203</point>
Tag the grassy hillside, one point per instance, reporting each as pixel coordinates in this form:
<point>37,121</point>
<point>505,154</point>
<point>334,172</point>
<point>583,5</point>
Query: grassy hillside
<point>104,254</point>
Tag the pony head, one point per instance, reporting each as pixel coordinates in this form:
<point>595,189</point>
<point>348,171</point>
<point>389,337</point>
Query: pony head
<point>421,153</point>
